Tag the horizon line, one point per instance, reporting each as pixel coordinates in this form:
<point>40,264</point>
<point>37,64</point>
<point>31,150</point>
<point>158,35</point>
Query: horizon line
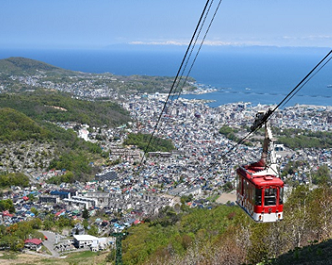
<point>160,44</point>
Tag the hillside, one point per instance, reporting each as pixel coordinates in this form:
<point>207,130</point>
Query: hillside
<point>51,106</point>
<point>225,235</point>
<point>82,258</point>
<point>313,254</point>
<point>142,141</point>
<point>20,66</point>
<point>26,143</point>
<point>16,126</point>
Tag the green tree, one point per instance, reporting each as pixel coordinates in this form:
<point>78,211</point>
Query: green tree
<point>48,224</point>
<point>7,205</point>
<point>31,197</point>
<point>228,186</point>
<point>85,214</point>
<point>142,141</point>
<point>85,223</point>
<point>13,179</point>
<point>322,175</point>
<point>34,211</point>
<point>36,223</point>
<point>93,230</point>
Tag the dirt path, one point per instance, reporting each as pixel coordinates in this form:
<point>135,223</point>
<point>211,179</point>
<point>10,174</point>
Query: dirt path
<point>21,259</point>
<point>227,197</point>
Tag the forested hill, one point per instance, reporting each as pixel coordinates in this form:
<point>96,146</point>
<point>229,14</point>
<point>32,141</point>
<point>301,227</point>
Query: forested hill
<point>52,106</point>
<point>15,126</point>
<point>23,66</point>
<point>28,143</point>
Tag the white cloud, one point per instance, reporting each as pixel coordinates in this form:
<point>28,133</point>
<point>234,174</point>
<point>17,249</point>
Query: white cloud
<point>310,37</point>
<point>184,43</point>
<point>283,41</point>
<point>177,43</point>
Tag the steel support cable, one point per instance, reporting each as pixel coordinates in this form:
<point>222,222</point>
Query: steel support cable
<point>192,49</point>
<point>200,47</point>
<point>295,89</point>
<point>212,19</point>
<point>188,57</point>
<point>175,79</point>
<point>291,94</point>
<point>187,60</point>
<point>307,81</point>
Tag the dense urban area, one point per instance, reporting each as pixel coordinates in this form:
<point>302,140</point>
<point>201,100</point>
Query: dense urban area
<point>59,212</point>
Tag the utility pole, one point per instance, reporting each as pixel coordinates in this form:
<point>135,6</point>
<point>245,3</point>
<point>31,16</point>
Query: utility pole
<point>118,247</point>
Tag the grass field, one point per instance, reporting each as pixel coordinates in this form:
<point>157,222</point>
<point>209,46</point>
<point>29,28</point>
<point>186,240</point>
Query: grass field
<point>81,258</point>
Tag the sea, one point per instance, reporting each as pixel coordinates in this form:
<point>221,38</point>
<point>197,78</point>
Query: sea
<point>259,75</point>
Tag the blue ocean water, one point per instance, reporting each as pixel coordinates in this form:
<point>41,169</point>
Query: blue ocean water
<point>256,75</point>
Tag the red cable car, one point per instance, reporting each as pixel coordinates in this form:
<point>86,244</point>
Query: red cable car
<point>260,190</point>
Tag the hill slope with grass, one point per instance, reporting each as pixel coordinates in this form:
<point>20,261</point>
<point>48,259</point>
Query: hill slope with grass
<point>15,126</point>
<point>20,66</point>
<point>226,235</point>
<point>45,105</point>
<point>26,143</point>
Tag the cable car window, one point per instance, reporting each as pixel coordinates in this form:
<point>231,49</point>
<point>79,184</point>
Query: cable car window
<point>281,195</point>
<point>252,193</point>
<point>245,190</point>
<point>239,187</point>
<point>270,196</point>
<point>258,197</point>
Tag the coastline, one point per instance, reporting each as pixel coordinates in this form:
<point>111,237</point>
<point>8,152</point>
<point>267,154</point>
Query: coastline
<point>200,89</point>
<point>246,104</point>
<point>216,97</point>
<point>218,81</point>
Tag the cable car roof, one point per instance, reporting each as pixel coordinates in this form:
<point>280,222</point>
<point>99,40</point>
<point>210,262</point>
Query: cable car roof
<point>260,179</point>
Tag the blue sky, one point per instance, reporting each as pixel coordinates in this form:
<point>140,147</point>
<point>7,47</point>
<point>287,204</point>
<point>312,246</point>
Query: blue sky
<point>101,23</point>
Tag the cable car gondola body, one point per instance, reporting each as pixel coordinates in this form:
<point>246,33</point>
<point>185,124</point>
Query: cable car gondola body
<point>260,190</point>
<point>260,194</point>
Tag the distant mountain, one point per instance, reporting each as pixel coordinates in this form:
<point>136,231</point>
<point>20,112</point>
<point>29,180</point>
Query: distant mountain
<point>23,66</point>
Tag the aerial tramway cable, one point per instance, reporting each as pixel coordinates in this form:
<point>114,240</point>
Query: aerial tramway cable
<point>175,79</point>
<point>185,64</point>
<point>313,74</point>
<point>179,85</point>
<point>199,49</point>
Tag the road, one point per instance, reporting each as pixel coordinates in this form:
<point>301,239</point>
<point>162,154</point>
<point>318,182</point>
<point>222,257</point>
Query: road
<point>50,242</point>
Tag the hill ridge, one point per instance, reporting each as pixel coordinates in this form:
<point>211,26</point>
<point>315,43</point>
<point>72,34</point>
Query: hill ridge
<point>25,66</point>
